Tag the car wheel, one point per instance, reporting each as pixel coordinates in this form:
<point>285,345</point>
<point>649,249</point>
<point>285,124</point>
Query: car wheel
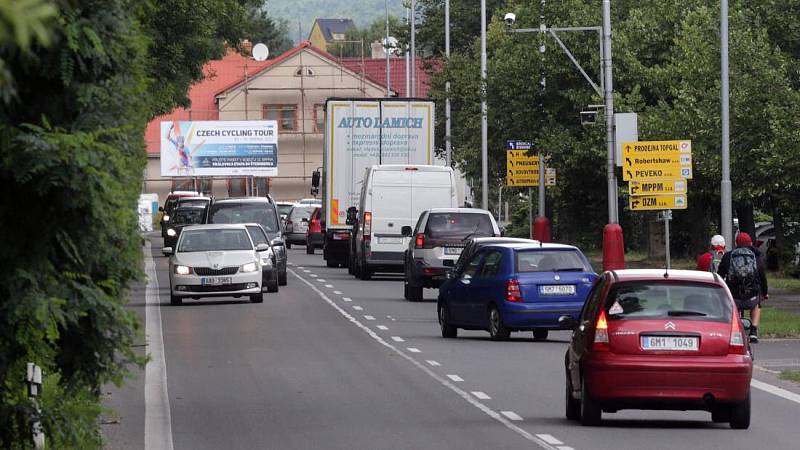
<point>365,273</point>
<point>573,407</point>
<point>740,414</point>
<point>448,331</point>
<point>356,268</point>
<point>497,330</point>
<point>591,414</point>
<point>282,278</point>
<point>288,245</point>
<point>257,298</point>
<point>174,300</point>
<point>309,248</point>
<point>540,334</point>
<point>272,285</point>
<point>721,415</point>
<point>331,264</point>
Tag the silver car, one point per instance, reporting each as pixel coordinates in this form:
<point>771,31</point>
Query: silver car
<point>297,224</point>
<point>215,261</point>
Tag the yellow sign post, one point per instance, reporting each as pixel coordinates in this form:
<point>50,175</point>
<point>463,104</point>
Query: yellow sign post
<point>523,170</point>
<point>657,202</point>
<point>654,160</point>
<point>657,187</point>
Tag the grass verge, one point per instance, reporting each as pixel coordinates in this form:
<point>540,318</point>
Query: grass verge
<point>786,284</point>
<point>790,375</point>
<point>777,323</point>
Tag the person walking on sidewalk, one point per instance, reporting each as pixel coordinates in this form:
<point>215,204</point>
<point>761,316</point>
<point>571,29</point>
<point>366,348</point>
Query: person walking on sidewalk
<point>709,261</point>
<point>743,271</point>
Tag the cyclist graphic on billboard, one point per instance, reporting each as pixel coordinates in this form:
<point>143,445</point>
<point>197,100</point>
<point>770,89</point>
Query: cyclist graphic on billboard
<point>185,152</point>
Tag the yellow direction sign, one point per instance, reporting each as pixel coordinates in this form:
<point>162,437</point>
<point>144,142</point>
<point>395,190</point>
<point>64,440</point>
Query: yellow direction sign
<point>655,202</point>
<point>653,160</point>
<point>522,170</point>
<point>656,187</point>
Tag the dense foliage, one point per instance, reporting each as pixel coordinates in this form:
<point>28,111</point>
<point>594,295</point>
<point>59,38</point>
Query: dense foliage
<point>78,82</point>
<point>666,68</point>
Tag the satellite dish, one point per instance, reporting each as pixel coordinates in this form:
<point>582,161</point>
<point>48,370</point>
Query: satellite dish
<point>260,52</point>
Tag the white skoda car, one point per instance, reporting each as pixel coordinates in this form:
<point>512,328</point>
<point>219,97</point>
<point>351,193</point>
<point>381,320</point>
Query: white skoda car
<point>215,261</point>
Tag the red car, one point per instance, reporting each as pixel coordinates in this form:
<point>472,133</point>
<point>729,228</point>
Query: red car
<point>655,339</point>
<point>314,234</point>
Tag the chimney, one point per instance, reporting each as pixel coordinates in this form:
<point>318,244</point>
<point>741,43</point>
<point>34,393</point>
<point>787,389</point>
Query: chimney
<point>247,48</point>
<point>378,52</point>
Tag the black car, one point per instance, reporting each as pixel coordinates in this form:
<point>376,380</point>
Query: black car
<point>260,210</point>
<point>181,217</point>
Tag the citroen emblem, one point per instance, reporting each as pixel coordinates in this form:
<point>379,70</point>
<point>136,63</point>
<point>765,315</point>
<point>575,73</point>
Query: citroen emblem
<point>557,277</point>
<point>669,326</point>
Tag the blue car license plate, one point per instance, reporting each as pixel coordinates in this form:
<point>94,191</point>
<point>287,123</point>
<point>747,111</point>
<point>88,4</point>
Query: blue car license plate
<point>557,289</point>
<point>215,281</point>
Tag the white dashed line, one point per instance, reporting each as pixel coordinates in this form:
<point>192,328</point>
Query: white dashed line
<point>306,271</point>
<point>481,395</point>
<point>413,350</point>
<point>398,339</point>
<point>329,286</point>
<point>511,416</point>
<point>564,447</point>
<point>441,380</point>
<point>337,292</point>
<point>432,363</point>
<point>321,280</point>
<point>369,317</point>
<point>455,378</point>
<point>550,439</point>
<point>382,327</point>
<point>347,299</point>
<point>312,275</point>
<point>358,308</point>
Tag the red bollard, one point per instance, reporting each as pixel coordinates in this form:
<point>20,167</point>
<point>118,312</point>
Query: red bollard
<point>541,229</point>
<point>613,247</point>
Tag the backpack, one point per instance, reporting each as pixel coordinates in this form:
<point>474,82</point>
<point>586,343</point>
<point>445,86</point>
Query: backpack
<point>716,258</point>
<point>742,279</point>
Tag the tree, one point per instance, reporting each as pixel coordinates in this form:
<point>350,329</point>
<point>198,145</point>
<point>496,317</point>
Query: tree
<point>356,37</point>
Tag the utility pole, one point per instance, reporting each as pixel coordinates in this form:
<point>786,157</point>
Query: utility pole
<point>726,207</point>
<point>386,50</point>
<point>413,49</point>
<point>484,123</point>
<point>447,136</point>
<point>608,95</point>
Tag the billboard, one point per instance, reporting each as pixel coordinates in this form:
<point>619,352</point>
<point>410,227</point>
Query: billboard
<point>219,148</point>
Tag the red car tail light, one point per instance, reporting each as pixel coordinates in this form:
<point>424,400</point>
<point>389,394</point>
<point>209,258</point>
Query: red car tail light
<point>367,225</point>
<point>419,242</point>
<point>600,343</point>
<point>736,345</point>
<point>513,293</point>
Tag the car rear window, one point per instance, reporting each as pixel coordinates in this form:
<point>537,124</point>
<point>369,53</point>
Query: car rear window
<point>551,261</point>
<point>184,216</point>
<point>260,213</point>
<point>458,225</point>
<point>668,300</point>
<point>299,213</point>
<point>195,202</point>
<point>257,234</point>
<point>214,240</point>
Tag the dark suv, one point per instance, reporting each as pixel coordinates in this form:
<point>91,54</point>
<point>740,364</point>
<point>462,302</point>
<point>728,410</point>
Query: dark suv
<point>260,210</point>
<point>436,243</point>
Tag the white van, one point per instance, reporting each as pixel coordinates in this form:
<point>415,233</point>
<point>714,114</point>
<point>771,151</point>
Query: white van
<point>394,196</point>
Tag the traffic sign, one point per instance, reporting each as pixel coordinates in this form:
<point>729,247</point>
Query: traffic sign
<point>655,187</point>
<point>522,170</point>
<point>654,160</point>
<point>655,202</point>
<point>518,145</point>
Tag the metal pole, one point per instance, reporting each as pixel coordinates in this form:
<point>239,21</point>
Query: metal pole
<point>543,83</point>
<point>447,136</point>
<point>667,217</point>
<point>386,48</point>
<point>500,203</point>
<point>726,207</point>
<point>608,93</point>
<point>408,67</point>
<point>530,213</point>
<point>413,49</point>
<point>484,123</point>
<point>541,185</point>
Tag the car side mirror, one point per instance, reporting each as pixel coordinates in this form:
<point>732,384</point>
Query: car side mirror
<point>315,176</point>
<point>747,324</point>
<point>567,322</point>
<point>406,231</point>
<point>277,242</point>
<point>161,208</point>
<point>167,251</point>
<point>262,247</point>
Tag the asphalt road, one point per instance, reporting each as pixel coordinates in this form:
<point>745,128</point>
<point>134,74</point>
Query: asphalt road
<point>334,362</point>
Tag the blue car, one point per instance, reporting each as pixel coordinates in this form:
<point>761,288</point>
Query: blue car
<point>515,287</point>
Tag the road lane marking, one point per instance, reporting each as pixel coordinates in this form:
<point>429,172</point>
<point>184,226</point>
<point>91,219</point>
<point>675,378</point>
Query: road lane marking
<point>455,378</point>
<point>369,317</point>
<point>481,395</point>
<point>382,327</point>
<point>398,339</point>
<point>312,275</point>
<point>358,308</point>
<point>432,362</point>
<point>550,439</point>
<point>444,382</point>
<point>306,271</point>
<point>337,292</point>
<point>515,417</point>
<point>157,414</point>
<point>775,390</point>
<point>347,299</point>
<point>329,286</point>
<point>564,447</point>
<point>413,350</point>
<point>321,280</point>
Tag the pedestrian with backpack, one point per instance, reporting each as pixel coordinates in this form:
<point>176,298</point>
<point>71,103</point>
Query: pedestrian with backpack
<point>743,271</point>
<point>709,261</point>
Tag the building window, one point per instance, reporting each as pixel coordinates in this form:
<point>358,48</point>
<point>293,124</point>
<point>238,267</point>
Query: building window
<point>285,115</point>
<point>337,36</point>
<point>319,118</point>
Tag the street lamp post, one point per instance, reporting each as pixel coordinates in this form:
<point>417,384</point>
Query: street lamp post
<point>447,136</point>
<point>484,123</point>
<point>725,187</point>
<point>413,49</point>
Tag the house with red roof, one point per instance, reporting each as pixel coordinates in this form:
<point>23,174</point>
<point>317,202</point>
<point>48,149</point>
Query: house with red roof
<point>290,89</point>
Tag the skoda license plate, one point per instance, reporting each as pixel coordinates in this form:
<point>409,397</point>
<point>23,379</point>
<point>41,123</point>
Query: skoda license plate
<point>215,281</point>
<point>557,289</point>
<point>684,343</point>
